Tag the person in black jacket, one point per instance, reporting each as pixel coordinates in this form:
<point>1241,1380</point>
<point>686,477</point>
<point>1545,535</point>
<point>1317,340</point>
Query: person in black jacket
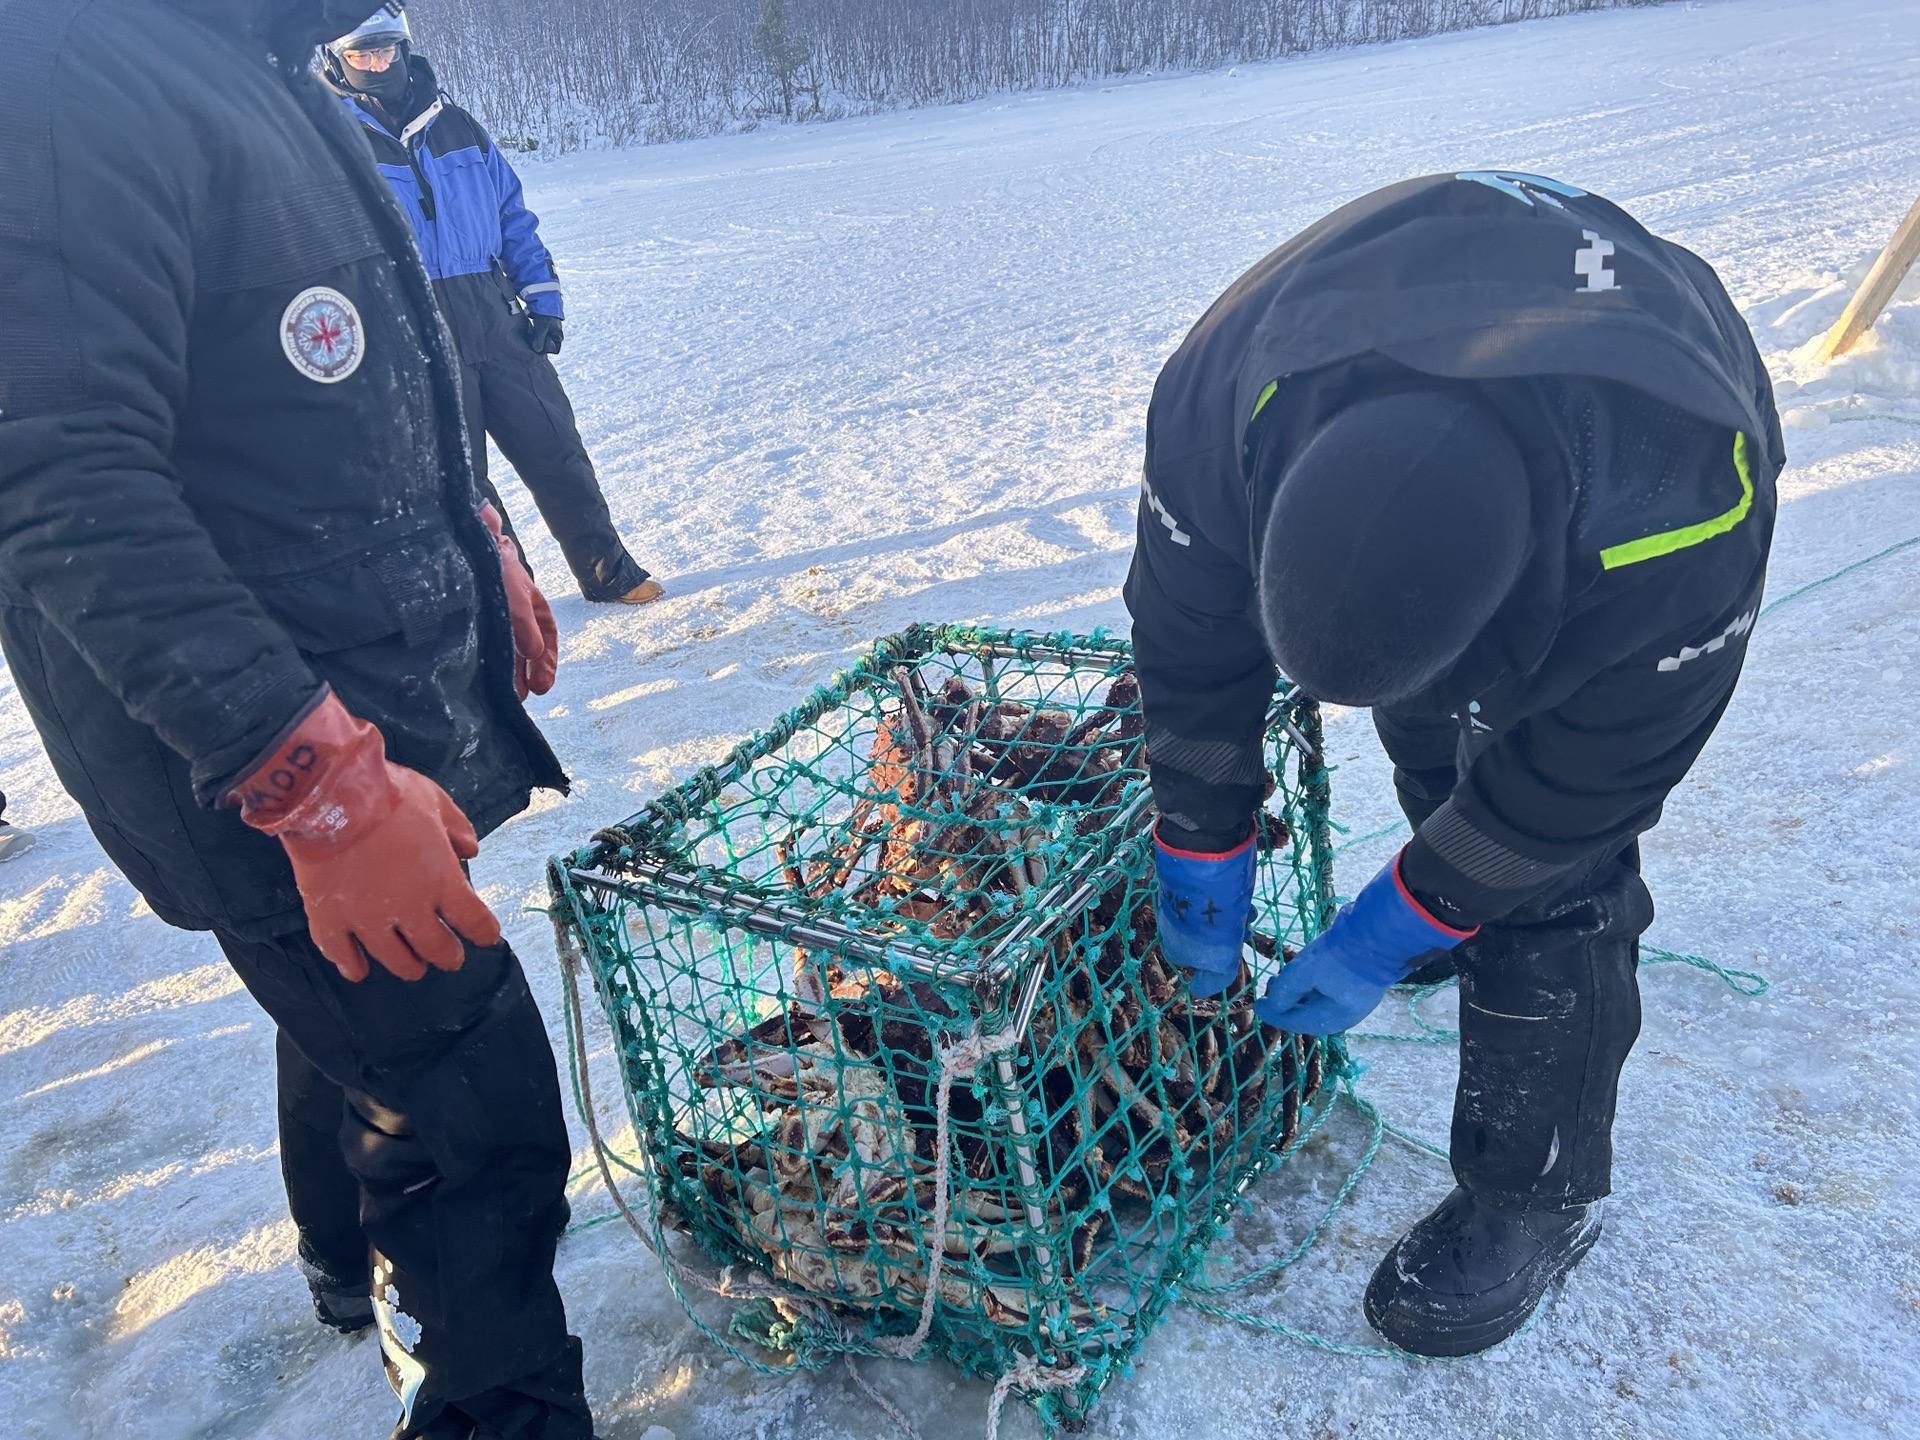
<point>497,286</point>
<point>1481,453</point>
<point>273,645</point>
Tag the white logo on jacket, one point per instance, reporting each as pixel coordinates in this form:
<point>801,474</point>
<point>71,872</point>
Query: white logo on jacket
<point>1735,631</point>
<point>322,335</point>
<point>1174,532</point>
<point>1591,264</point>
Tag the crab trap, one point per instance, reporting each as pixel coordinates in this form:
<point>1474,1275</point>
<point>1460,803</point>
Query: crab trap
<point>895,1032</point>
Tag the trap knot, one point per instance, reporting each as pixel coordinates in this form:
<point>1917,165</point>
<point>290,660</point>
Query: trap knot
<point>961,1059</point>
<point>1030,1375</point>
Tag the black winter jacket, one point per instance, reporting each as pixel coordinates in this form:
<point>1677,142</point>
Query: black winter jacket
<point>1646,415</point>
<point>232,463</point>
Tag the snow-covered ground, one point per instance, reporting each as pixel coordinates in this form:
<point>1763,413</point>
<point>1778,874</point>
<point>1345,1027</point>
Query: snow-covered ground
<point>842,378</point>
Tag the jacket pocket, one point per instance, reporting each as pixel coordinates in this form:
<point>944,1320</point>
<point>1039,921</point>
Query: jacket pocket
<point>406,588</point>
<point>467,226</point>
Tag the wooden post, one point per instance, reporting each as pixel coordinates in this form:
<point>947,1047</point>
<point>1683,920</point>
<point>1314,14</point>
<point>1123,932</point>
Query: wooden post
<point>1876,290</point>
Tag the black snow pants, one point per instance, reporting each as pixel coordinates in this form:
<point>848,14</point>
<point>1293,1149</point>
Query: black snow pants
<point>515,396</point>
<point>1549,1008</point>
<point>425,1150</point>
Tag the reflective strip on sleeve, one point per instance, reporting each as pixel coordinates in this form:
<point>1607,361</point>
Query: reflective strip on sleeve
<point>541,289</point>
<point>1214,762</point>
<point>1480,857</point>
<point>1654,546</point>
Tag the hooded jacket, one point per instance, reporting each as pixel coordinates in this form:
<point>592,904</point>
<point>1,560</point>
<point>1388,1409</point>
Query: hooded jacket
<point>1645,415</point>
<point>232,463</point>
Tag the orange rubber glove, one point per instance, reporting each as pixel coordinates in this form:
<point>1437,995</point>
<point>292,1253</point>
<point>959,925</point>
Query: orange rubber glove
<point>536,636</point>
<point>376,848</point>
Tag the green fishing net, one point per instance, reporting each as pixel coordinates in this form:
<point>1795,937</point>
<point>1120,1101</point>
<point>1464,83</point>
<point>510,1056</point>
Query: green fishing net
<point>894,1029</point>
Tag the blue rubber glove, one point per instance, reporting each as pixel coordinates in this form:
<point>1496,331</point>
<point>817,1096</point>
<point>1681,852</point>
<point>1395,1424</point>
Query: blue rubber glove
<point>1205,907</point>
<point>1336,982</point>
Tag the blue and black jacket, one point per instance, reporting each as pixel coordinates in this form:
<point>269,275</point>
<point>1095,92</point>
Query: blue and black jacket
<point>462,196</point>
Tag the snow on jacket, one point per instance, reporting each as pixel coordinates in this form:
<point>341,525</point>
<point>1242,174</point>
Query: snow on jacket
<point>232,464</point>
<point>1636,393</point>
<point>463,198</point>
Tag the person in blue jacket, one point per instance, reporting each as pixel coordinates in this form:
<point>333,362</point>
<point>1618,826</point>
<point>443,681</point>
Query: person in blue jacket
<point>496,284</point>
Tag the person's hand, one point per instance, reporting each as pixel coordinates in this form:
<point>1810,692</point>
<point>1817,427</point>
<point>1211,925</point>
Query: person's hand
<point>546,334</point>
<point>376,848</point>
<point>1205,907</point>
<point>536,634</point>
<point>1336,982</point>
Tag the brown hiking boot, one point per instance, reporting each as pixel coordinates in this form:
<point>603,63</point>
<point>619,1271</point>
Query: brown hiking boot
<point>645,593</point>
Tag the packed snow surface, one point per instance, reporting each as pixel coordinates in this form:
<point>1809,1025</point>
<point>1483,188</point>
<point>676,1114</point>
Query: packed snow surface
<point>842,378</point>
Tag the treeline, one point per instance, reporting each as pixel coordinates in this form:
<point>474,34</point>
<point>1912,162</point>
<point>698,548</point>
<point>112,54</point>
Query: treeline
<point>558,75</point>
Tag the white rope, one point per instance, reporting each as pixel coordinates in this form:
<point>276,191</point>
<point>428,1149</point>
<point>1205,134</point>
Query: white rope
<point>958,1061</point>
<point>724,1285</point>
<point>1028,1374</point>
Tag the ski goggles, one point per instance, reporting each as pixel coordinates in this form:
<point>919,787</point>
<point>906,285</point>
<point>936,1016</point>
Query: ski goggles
<point>372,58</point>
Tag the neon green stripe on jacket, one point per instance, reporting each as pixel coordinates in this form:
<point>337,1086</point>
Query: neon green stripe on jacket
<point>1654,546</point>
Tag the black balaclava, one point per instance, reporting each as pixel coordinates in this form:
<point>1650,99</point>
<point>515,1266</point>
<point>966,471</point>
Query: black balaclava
<point>1394,536</point>
<point>388,88</point>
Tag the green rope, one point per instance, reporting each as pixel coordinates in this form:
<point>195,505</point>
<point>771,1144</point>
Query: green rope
<point>1371,835</point>
<point>1425,1147</point>
<point>786,944</point>
<point>1203,1287</point>
<point>1300,1337</point>
<point>1840,574</point>
<point>1744,982</point>
<point>1380,1129</point>
<point>1429,1033</point>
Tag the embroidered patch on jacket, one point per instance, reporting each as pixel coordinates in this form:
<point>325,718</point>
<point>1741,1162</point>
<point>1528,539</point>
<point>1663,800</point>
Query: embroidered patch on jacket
<point>322,335</point>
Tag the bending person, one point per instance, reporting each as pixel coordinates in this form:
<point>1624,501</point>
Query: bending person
<point>1481,453</point>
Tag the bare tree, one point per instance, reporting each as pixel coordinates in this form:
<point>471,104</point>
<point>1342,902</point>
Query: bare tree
<point>563,74</point>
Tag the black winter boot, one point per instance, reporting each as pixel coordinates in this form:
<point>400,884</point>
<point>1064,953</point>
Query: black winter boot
<point>1468,1276</point>
<point>343,1305</point>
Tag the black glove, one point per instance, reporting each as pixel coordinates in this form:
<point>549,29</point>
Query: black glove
<point>545,334</point>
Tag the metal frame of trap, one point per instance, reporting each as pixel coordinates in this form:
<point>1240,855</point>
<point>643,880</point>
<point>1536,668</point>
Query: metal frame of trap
<point>725,902</point>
